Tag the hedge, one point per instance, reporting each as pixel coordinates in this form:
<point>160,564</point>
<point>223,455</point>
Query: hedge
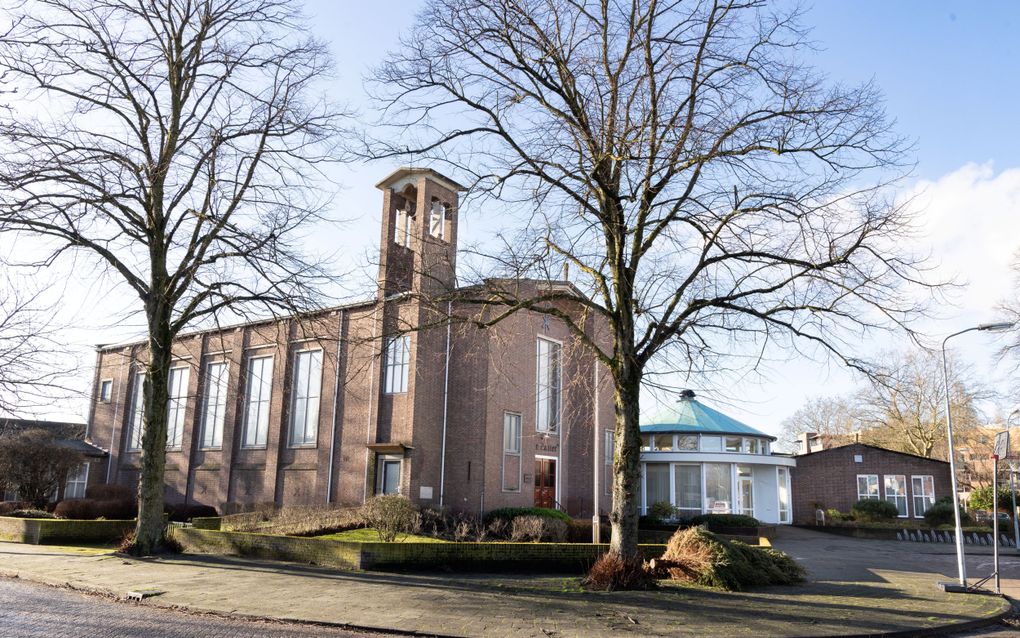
<point>510,513</point>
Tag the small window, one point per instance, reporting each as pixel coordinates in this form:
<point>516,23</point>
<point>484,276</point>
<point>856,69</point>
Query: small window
<point>77,479</point>
<point>511,433</point>
<point>662,442</point>
<point>397,364</point>
<point>733,444</point>
<point>752,446</point>
<point>711,444</point>
<point>402,232</point>
<point>923,488</point>
<point>783,478</point>
<point>106,390</point>
<point>896,492</point>
<point>646,442</point>
<point>511,453</point>
<point>687,442</point>
<point>867,487</point>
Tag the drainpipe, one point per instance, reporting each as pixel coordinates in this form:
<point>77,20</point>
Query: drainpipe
<point>446,402</point>
<point>596,528</point>
<point>371,398</point>
<point>336,398</point>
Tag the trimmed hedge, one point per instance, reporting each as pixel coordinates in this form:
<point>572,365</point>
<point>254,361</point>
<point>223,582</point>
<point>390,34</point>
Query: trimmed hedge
<point>716,522</point>
<point>510,513</point>
<point>868,510</point>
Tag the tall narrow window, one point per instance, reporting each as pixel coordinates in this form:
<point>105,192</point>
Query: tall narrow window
<point>718,488</point>
<point>437,220</point>
<point>687,479</point>
<point>656,484</point>
<point>783,475</point>
<point>548,386</point>
<point>77,479</point>
<point>176,405</point>
<point>923,488</point>
<point>215,404</point>
<point>397,364</point>
<point>106,390</point>
<point>511,452</point>
<point>304,421</point>
<point>403,231</point>
<point>137,424</point>
<point>896,492</point>
<point>608,454</point>
<point>867,487</point>
<point>259,391</point>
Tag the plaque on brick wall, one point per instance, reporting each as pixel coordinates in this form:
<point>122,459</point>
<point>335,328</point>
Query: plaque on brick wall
<point>425,492</point>
<point>527,479</point>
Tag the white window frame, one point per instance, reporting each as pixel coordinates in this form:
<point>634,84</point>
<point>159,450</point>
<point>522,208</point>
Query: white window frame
<point>783,483</point>
<point>396,364</point>
<point>705,438</point>
<point>380,472</point>
<point>214,405</point>
<point>894,498</point>
<point>176,406</point>
<point>929,499</point>
<point>78,477</point>
<point>306,393</point>
<point>104,395</point>
<point>864,496</point>
<point>402,228</point>
<point>688,437</point>
<point>513,433</point>
<point>136,427</point>
<point>608,456</point>
<point>544,388</point>
<point>674,498</point>
<point>258,395</point>
<point>727,439</point>
<point>672,443</point>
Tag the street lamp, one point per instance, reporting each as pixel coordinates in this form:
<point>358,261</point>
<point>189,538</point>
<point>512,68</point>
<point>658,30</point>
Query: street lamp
<point>986,327</point>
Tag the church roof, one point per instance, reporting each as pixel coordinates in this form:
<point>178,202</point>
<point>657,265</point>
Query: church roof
<point>690,416</point>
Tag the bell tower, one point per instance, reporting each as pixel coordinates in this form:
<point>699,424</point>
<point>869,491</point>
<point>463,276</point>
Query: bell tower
<point>418,247</point>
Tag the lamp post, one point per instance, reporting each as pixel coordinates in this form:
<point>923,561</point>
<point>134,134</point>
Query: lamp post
<point>1012,490</point>
<point>986,327</point>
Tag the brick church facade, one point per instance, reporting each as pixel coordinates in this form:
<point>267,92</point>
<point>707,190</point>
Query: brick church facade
<point>382,396</point>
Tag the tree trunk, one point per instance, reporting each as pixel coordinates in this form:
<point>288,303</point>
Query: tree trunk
<point>626,464</point>
<point>151,529</point>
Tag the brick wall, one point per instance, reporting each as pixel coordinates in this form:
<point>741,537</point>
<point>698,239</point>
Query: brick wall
<point>828,479</point>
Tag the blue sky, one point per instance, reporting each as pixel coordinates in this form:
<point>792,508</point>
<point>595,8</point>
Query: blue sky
<point>949,71</point>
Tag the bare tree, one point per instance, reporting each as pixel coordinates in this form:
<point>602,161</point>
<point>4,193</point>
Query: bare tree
<point>178,145</point>
<point>717,200</point>
<point>836,417</point>
<point>35,369</point>
<point>905,407</point>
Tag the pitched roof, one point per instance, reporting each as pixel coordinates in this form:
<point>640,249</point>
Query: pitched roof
<point>690,416</point>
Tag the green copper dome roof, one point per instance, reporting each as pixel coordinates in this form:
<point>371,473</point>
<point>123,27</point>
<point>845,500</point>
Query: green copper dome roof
<point>690,416</point>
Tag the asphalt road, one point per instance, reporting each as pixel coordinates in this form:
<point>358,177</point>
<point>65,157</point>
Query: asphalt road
<point>28,610</point>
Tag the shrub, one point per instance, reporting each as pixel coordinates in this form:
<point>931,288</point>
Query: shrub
<point>536,529</point>
<point>81,509</point>
<point>611,572</point>
<point>117,510</point>
<point>939,514</point>
<point>6,507</point>
<point>834,515</point>
<point>716,522</point>
<point>30,513</point>
<point>36,462</point>
<point>183,513</point>
<point>871,510</point>
<point>660,511</point>
<point>698,556</point>
<point>392,515</point>
<point>109,492</point>
<point>579,531</point>
<point>510,513</point>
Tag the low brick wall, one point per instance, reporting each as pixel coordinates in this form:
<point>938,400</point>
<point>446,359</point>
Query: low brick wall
<point>206,522</point>
<point>572,557</point>
<point>46,531</point>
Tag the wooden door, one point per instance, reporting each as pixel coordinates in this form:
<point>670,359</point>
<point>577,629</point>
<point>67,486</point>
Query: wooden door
<point>545,483</point>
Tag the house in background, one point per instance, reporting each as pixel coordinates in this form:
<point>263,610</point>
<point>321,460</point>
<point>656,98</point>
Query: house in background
<point>838,477</point>
<point>70,435</point>
<point>336,406</point>
<point>702,461</point>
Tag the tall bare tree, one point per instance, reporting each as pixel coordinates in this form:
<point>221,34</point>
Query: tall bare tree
<point>35,369</point>
<point>714,196</point>
<point>177,146</point>
<point>837,417</point>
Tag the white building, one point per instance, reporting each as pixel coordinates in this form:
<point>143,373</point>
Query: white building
<point>702,461</point>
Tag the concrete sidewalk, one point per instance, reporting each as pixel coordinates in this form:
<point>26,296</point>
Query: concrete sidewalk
<point>502,605</point>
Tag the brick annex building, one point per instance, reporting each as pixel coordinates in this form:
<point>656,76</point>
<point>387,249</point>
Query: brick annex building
<point>339,405</point>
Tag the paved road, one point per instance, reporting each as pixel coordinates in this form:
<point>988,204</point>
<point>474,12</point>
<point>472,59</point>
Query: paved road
<point>28,610</point>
